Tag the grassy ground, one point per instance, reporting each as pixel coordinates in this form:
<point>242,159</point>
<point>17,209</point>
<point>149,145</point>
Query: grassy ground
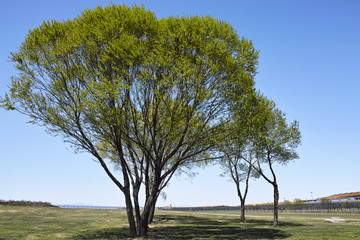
<point>55,223</point>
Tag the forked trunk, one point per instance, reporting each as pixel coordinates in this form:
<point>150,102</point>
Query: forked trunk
<point>147,211</point>
<point>144,220</point>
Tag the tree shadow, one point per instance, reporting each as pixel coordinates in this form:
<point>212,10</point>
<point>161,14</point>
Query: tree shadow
<point>191,227</point>
<point>270,223</point>
<point>105,233</point>
<point>194,227</point>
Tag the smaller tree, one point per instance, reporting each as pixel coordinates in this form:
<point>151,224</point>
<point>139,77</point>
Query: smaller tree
<point>237,152</point>
<point>262,130</point>
<point>239,171</point>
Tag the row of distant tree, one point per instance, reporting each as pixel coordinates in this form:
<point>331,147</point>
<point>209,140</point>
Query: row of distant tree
<point>25,203</point>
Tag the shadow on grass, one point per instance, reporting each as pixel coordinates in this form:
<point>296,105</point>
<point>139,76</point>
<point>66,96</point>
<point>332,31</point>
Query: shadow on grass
<point>106,233</point>
<point>191,227</point>
<point>270,223</point>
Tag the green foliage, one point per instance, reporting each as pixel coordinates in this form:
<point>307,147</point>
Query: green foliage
<point>277,140</point>
<point>260,132</point>
<point>261,129</point>
<point>120,67</point>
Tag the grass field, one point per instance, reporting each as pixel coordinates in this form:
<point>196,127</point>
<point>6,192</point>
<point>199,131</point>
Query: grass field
<point>56,223</point>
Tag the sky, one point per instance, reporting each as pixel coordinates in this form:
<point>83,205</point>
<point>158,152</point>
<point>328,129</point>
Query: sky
<point>309,65</point>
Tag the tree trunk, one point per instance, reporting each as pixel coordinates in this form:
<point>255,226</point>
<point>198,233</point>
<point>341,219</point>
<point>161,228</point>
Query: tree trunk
<point>130,214</point>
<point>276,204</point>
<point>126,191</point>
<point>144,220</point>
<point>149,204</point>
<point>136,205</point>
<point>242,208</point>
<point>144,226</point>
<point>152,212</point>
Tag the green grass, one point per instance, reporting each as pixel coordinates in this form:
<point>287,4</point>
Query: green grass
<point>55,223</point>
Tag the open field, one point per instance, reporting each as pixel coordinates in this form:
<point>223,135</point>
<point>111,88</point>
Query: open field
<point>55,223</point>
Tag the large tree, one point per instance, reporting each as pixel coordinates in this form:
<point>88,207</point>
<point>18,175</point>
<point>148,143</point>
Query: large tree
<point>144,93</point>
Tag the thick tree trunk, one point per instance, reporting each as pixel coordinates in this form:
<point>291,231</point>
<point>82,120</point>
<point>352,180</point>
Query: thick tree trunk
<point>276,204</point>
<point>242,209</point>
<point>152,212</point>
<point>149,204</point>
<point>144,226</point>
<point>144,221</point>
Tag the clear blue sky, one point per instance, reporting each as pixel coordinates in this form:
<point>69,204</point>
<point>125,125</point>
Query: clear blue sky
<point>309,65</point>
